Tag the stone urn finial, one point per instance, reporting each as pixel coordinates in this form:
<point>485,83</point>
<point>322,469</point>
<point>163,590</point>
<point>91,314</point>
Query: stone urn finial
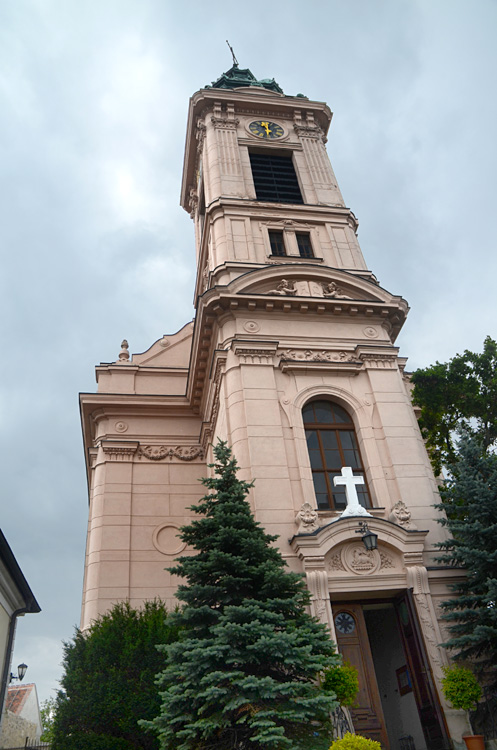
<point>124,354</point>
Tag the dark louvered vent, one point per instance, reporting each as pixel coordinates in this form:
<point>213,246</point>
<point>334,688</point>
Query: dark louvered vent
<point>275,179</point>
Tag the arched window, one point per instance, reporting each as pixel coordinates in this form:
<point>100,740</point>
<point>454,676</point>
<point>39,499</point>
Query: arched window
<point>332,443</point>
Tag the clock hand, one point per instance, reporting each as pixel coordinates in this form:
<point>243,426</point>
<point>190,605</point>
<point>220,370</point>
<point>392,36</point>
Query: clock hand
<point>266,127</point>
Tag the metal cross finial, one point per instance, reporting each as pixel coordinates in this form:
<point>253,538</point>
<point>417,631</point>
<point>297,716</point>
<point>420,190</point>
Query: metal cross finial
<point>235,61</point>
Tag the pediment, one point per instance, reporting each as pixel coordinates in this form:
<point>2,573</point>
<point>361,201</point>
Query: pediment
<point>308,281</point>
<point>169,351</point>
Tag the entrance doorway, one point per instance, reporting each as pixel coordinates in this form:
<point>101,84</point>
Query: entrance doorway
<point>397,704</point>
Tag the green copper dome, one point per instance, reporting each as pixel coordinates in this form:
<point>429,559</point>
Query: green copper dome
<point>237,77</point>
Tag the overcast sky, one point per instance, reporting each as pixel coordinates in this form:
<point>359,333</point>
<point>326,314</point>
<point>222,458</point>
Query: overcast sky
<point>95,248</point>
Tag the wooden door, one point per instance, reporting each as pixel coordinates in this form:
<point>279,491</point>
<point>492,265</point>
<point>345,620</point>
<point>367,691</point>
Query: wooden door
<point>429,709</point>
<point>353,644</point>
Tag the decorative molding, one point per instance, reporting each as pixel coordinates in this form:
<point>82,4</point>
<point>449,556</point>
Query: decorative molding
<point>308,131</point>
<point>92,456</point>
<point>160,452</point>
<point>254,356</point>
<point>255,352</point>
<point>401,515</point>
<point>200,135</point>
<point>120,451</point>
<point>418,579</point>
<point>412,559</point>
<point>208,429</point>
<point>317,583</point>
<point>292,260</point>
<point>308,355</point>
<point>288,225</point>
<point>121,426</point>
<point>386,561</point>
<point>373,361</point>
<point>308,519</point>
<point>335,563</point>
<point>224,123</point>
<point>193,202</point>
<point>205,278</point>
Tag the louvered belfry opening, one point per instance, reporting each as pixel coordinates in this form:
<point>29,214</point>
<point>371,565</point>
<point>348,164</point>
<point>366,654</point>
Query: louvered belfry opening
<point>275,179</point>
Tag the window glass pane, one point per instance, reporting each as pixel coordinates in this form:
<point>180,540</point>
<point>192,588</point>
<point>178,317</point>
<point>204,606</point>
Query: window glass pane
<point>339,496</point>
<point>308,413</point>
<point>350,450</point>
<point>322,501</point>
<point>277,243</point>
<point>304,244</point>
<point>329,438</point>
<point>351,459</point>
<point>321,490</point>
<point>316,460</point>
<point>312,440</point>
<point>333,459</point>
<point>347,439</point>
<point>340,414</point>
<point>323,412</point>
<point>363,497</point>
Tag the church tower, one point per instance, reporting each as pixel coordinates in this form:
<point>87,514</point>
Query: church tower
<point>292,360</point>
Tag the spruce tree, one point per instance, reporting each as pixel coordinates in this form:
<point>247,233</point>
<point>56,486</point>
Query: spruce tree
<point>244,673</point>
<point>469,499</point>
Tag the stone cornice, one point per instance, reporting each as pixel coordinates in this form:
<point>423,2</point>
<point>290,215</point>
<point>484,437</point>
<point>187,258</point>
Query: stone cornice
<point>300,215</point>
<point>221,301</point>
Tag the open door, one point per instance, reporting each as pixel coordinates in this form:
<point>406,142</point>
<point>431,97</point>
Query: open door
<point>353,644</point>
<point>430,711</point>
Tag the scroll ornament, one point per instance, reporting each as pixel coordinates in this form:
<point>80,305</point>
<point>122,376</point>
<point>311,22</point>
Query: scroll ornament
<point>160,452</point>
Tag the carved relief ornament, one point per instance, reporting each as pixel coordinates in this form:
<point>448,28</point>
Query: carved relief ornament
<point>308,519</point>
<point>401,515</point>
<point>308,355</point>
<point>160,452</point>
<point>354,558</point>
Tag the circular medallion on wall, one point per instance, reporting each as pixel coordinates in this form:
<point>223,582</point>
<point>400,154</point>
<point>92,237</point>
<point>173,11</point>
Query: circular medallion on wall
<point>357,559</point>
<point>251,326</point>
<point>120,426</point>
<point>166,540</point>
<point>370,332</point>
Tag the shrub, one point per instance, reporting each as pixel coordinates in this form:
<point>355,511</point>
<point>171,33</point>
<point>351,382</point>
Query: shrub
<point>461,688</point>
<point>355,742</point>
<point>343,680</point>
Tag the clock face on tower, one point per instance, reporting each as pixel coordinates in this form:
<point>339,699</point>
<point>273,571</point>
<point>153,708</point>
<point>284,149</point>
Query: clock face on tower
<point>265,129</point>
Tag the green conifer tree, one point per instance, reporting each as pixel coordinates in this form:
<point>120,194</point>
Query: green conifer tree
<point>108,681</point>
<point>244,673</point>
<point>469,499</point>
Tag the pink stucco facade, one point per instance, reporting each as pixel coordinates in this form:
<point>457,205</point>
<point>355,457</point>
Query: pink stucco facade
<point>271,334</point>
